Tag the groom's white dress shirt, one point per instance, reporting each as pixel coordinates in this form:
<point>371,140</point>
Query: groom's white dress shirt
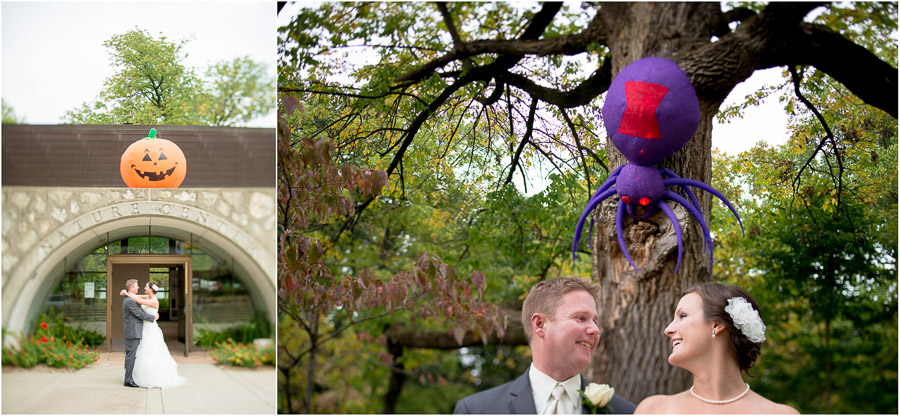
<point>542,386</point>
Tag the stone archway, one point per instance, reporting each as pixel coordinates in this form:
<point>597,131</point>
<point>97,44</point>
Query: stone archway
<point>44,228</point>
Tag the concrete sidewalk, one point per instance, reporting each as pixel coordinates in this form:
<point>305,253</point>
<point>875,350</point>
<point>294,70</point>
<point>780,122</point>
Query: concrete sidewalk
<point>98,389</point>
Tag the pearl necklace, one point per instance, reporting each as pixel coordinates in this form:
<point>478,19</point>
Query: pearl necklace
<point>721,401</point>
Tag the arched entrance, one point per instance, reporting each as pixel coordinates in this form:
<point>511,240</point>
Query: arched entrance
<point>154,214</point>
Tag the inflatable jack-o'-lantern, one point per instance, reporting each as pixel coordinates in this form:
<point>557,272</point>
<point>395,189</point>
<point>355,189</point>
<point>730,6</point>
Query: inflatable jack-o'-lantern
<point>153,163</point>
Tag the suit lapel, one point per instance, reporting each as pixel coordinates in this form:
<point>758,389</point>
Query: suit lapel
<point>521,398</point>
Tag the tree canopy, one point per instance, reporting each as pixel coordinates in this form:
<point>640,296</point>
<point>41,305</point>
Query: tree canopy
<point>153,86</point>
<point>9,115</point>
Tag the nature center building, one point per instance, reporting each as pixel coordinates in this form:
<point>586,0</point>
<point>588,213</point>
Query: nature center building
<point>73,232</point>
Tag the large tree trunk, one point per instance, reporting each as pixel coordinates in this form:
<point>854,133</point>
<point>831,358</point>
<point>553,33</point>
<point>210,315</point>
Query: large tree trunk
<point>635,308</point>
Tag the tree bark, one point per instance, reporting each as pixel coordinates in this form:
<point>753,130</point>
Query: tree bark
<point>634,307</point>
<point>398,376</point>
<point>444,340</point>
<point>311,366</point>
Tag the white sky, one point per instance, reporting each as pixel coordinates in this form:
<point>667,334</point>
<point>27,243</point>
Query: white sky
<point>53,57</point>
<point>766,122</point>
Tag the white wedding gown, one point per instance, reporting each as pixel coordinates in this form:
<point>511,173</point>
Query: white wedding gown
<point>153,365</point>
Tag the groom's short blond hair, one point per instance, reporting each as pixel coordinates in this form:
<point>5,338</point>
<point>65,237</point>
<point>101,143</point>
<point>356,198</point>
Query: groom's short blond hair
<point>130,282</point>
<point>545,297</point>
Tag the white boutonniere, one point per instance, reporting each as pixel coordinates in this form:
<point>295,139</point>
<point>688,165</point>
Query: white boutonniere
<point>597,396</point>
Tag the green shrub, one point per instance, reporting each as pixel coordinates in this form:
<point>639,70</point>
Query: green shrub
<point>242,355</point>
<point>259,327</point>
<point>58,327</point>
<point>45,347</point>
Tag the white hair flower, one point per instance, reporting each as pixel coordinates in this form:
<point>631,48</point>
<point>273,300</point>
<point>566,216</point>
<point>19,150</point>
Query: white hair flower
<point>746,319</point>
<point>155,288</point>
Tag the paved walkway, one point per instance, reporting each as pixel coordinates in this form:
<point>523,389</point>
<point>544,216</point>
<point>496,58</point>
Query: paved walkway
<point>98,389</point>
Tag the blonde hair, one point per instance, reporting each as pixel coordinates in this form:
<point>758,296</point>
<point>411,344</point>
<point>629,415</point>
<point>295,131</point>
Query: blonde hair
<point>545,297</point>
<point>129,283</point>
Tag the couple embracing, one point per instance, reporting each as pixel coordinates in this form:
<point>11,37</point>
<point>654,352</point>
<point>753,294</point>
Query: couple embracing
<point>147,359</point>
<point>715,334</point>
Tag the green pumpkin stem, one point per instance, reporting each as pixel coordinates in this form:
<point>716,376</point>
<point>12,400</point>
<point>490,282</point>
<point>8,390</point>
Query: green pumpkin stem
<point>151,134</point>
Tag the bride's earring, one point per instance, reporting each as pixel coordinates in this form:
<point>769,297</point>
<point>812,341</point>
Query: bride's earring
<point>714,335</point>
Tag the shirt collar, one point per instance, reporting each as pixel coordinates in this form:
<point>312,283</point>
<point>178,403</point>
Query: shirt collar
<point>542,385</point>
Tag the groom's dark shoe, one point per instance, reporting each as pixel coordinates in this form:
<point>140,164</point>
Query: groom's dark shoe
<point>131,385</point>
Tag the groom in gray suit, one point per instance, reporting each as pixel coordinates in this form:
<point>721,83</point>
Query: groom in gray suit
<point>560,321</point>
<point>134,318</point>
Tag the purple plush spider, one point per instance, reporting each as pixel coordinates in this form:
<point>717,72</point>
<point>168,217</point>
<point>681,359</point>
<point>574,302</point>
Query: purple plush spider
<point>650,112</point>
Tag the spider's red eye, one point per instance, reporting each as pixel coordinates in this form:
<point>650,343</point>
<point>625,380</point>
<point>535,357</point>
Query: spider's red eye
<point>626,199</point>
<point>644,201</point>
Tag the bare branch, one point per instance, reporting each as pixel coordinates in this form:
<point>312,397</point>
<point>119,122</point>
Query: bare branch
<point>582,94</point>
<point>454,32</point>
<point>864,74</point>
<point>513,51</point>
<point>423,115</point>
<point>495,96</point>
<point>529,128</point>
<point>345,94</point>
<point>829,136</point>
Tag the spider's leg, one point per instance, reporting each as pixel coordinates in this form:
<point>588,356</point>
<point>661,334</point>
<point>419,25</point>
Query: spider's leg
<point>668,172</point>
<point>664,207</point>
<point>610,181</point>
<point>630,211</point>
<point>579,227</point>
<point>710,189</point>
<point>620,218</point>
<point>699,217</point>
<point>648,211</point>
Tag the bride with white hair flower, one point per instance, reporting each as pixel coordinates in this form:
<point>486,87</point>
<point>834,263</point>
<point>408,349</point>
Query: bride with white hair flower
<point>716,334</point>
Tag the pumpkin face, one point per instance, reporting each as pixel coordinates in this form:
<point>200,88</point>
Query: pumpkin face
<point>153,163</point>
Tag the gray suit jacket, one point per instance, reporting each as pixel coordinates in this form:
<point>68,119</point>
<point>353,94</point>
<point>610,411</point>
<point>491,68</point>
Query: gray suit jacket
<point>515,398</point>
<point>134,317</point>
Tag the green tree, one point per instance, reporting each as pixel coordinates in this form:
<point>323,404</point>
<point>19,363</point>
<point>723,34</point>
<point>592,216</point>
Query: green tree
<point>9,115</point>
<point>316,307</point>
<point>444,206</point>
<point>153,86</point>
<point>236,92</point>
<point>821,252</point>
<point>823,274</point>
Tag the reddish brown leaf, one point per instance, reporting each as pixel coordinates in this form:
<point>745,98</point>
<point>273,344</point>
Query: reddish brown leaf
<point>479,281</point>
<point>459,334</point>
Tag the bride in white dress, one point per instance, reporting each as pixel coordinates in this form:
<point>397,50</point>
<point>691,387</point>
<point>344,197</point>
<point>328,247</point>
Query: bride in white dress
<point>153,365</point>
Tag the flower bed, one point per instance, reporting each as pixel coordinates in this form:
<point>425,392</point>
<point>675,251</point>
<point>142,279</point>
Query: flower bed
<point>242,355</point>
<point>45,348</point>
